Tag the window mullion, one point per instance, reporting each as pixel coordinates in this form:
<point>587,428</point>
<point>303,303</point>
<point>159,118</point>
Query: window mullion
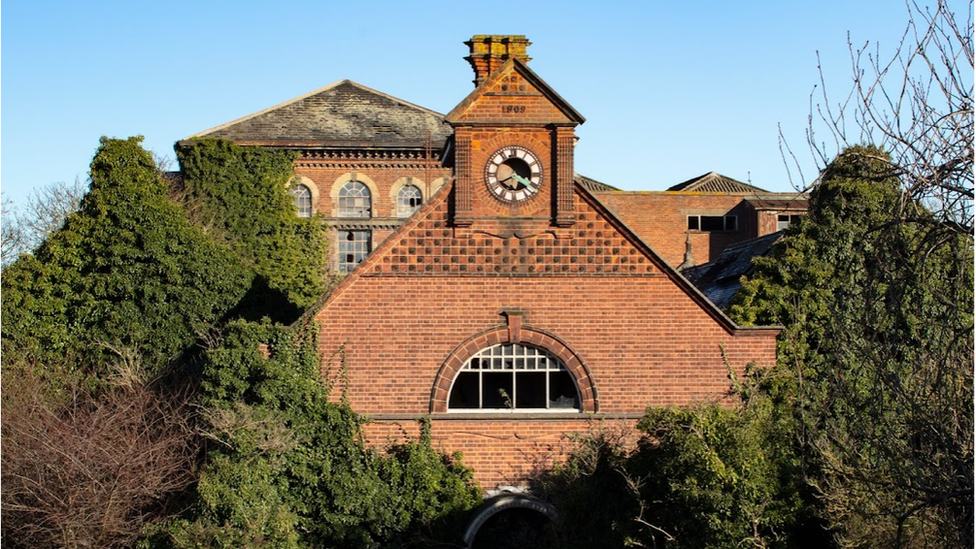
<point>481,389</point>
<point>514,385</point>
<point>546,396</point>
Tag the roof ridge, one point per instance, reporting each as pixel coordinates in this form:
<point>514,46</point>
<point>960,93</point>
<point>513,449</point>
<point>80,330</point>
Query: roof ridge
<point>204,133</point>
<point>717,180</point>
<point>312,93</point>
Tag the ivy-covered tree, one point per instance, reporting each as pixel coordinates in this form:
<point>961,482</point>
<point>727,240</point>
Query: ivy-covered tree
<point>287,468</point>
<point>127,271</point>
<point>879,346</point>
<point>240,196</point>
<point>707,475</point>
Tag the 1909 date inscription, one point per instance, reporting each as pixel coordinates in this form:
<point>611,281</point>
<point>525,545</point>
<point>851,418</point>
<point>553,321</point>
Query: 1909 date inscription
<point>513,109</point>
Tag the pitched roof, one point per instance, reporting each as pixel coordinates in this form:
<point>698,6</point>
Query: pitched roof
<point>593,185</point>
<point>538,87</point>
<point>341,114</point>
<point>720,279</point>
<point>713,182</point>
<point>401,254</point>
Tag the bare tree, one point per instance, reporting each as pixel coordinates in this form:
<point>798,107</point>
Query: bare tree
<point>916,103</point>
<point>10,233</point>
<point>93,472</point>
<point>896,456</point>
<point>46,210</point>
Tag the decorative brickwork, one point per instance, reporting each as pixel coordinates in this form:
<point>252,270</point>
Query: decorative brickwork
<point>433,247</point>
<point>565,141</point>
<point>645,336</point>
<point>506,250</point>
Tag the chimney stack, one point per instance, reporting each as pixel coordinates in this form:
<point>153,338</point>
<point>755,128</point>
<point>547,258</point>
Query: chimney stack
<point>490,51</point>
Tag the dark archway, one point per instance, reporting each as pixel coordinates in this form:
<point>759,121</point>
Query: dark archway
<point>513,521</point>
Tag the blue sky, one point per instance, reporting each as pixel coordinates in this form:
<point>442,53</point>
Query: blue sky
<point>670,90</point>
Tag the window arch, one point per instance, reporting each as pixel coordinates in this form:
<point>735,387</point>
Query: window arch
<point>355,200</point>
<point>409,200</point>
<point>301,199</point>
<point>514,376</point>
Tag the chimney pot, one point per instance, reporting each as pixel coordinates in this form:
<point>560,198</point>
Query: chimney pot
<point>490,51</point>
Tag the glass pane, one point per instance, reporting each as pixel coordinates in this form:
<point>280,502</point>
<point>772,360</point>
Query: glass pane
<point>497,390</point>
<point>562,390</point>
<point>354,246</point>
<point>464,394</point>
<point>530,390</point>
<point>354,200</point>
<point>712,223</point>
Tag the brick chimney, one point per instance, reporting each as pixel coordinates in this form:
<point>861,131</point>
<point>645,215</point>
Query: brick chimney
<point>489,51</point>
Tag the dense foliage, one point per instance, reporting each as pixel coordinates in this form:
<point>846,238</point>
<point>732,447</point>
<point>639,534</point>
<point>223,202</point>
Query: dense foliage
<point>876,297</point>
<point>286,468</point>
<point>97,455</point>
<point>703,476</point>
<point>126,271</point>
<point>238,195</point>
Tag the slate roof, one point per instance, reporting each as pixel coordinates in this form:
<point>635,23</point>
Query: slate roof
<point>342,114</point>
<point>720,279</point>
<point>713,182</point>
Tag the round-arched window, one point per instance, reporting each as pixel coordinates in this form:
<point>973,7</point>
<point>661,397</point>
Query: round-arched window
<point>514,377</point>
<point>354,200</point>
<point>302,200</point>
<point>409,199</point>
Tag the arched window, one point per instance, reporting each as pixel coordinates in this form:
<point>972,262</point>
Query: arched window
<point>514,377</point>
<point>354,200</point>
<point>302,199</point>
<point>409,198</point>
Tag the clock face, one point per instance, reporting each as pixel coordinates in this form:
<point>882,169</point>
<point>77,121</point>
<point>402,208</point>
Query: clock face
<point>513,174</point>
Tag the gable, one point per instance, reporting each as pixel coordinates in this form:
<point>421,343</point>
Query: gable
<point>344,113</point>
<point>514,94</point>
<point>713,182</point>
<point>599,245</point>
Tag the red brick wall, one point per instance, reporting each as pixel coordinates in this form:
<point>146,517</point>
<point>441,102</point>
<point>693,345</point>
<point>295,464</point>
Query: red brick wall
<point>661,220</point>
<point>643,338</point>
<point>384,174</point>
<point>501,451</point>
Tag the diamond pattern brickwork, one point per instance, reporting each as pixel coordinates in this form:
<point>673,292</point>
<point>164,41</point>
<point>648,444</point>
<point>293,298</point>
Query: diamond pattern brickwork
<point>593,246</point>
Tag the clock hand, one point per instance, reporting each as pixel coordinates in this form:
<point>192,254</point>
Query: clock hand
<point>525,181</point>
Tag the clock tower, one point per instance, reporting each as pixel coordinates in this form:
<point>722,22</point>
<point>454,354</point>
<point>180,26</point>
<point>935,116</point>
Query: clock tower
<point>514,139</point>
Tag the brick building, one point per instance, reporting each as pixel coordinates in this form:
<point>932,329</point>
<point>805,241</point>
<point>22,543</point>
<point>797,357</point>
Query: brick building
<point>491,288</point>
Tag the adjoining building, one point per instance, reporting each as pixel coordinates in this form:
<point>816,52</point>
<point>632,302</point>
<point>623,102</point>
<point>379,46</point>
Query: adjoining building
<point>492,289</point>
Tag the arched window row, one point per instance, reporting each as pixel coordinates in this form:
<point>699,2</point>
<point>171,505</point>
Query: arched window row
<point>354,196</point>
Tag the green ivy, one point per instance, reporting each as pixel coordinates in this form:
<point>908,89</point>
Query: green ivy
<point>240,196</point>
<point>287,468</point>
<point>127,272</point>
